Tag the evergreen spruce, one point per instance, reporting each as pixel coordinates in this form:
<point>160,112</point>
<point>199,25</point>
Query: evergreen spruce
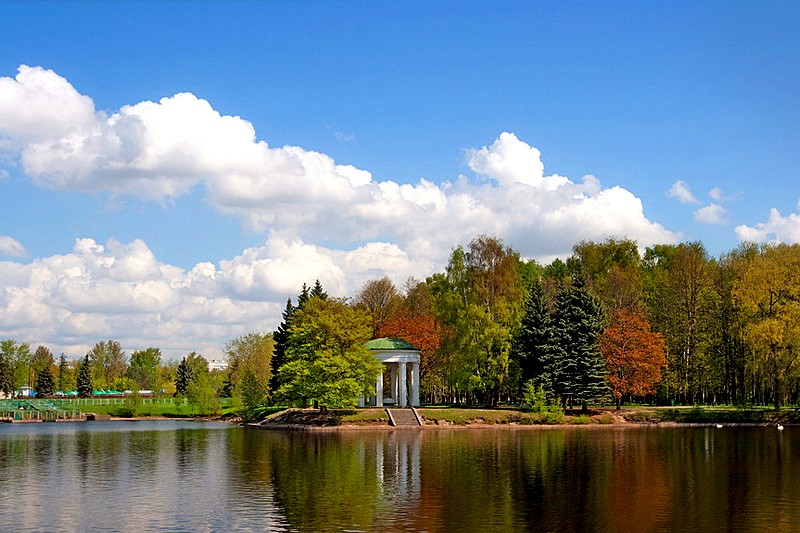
<point>45,384</point>
<point>281,337</point>
<point>62,371</point>
<point>303,297</point>
<point>579,371</point>
<point>535,345</point>
<point>318,292</point>
<point>85,386</point>
<point>184,378</point>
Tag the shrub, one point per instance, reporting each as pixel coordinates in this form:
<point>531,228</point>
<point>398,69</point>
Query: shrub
<point>534,400</point>
<point>580,419</point>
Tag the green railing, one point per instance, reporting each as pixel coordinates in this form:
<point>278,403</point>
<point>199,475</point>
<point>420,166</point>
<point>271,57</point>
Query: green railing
<point>43,415</point>
<point>61,402</point>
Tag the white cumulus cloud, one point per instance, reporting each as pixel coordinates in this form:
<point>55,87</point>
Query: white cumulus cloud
<point>680,191</point>
<point>777,229</point>
<point>122,291</point>
<point>711,214</point>
<point>297,197</point>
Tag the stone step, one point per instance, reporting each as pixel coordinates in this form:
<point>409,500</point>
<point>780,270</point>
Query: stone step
<point>403,417</point>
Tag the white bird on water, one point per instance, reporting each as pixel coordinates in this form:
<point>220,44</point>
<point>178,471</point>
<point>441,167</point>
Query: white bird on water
<point>780,427</point>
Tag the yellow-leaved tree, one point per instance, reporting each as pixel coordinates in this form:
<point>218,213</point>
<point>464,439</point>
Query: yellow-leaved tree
<point>769,293</point>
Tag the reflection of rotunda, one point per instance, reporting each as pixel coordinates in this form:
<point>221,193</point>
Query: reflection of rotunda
<point>401,361</point>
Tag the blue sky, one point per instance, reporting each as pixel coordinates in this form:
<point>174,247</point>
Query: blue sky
<point>170,172</point>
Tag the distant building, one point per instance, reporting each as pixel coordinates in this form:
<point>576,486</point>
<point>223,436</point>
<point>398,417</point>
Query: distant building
<point>217,364</point>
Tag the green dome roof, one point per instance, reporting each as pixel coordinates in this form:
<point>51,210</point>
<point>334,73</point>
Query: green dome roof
<point>389,344</point>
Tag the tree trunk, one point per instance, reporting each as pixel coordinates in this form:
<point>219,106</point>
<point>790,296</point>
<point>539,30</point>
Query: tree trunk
<point>777,393</point>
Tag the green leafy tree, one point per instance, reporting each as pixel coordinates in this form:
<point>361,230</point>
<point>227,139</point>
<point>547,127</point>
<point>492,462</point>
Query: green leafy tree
<point>42,358</point>
<point>593,261</point>
<point>197,363</point>
<point>201,396</point>
<point>191,368</point>
<point>579,368</point>
<point>730,345</point>
<point>45,384</point>
<point>681,301</point>
<point>144,367</point>
<point>252,392</point>
<point>6,375</point>
<point>85,386</point>
<point>557,270</point>
<point>168,375</point>
<point>108,362</point>
<point>327,360</point>
<point>19,358</point>
<point>479,302</point>
<point>64,382</point>
<point>124,383</point>
<point>250,356</point>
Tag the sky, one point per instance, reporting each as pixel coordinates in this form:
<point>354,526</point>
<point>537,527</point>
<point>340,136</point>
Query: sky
<point>172,172</point>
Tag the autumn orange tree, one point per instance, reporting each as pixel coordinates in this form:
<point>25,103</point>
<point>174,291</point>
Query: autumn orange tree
<point>421,331</point>
<point>635,355</point>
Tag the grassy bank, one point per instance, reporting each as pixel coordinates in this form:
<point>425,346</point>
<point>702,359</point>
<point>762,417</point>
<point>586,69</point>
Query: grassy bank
<point>475,416</point>
<point>712,415</point>
<point>151,410</point>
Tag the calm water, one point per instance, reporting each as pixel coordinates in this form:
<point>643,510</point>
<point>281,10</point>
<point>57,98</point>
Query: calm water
<point>193,476</point>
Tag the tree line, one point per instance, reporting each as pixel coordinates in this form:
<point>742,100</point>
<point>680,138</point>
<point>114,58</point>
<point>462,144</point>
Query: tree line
<point>611,323</point>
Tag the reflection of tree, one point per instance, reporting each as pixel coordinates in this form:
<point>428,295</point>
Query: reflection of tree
<point>190,452</point>
<point>640,485</point>
<point>467,481</point>
<point>324,479</point>
<point>563,480</point>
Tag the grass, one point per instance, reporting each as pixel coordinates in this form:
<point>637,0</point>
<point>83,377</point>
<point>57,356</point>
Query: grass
<point>466,416</point>
<point>332,417</point>
<point>459,416</point>
<point>712,415</point>
<point>365,416</point>
<point>167,411</point>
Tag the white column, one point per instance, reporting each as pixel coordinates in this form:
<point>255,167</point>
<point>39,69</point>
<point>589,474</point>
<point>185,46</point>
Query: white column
<point>393,384</point>
<point>379,389</point>
<point>415,384</point>
<point>402,371</point>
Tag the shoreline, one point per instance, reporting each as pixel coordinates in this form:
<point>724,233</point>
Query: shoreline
<point>477,418</point>
<point>480,419</point>
<point>510,427</point>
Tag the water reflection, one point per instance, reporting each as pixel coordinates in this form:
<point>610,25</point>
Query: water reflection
<point>185,477</point>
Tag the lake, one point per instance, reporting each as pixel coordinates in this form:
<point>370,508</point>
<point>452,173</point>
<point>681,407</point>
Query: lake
<point>203,476</point>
